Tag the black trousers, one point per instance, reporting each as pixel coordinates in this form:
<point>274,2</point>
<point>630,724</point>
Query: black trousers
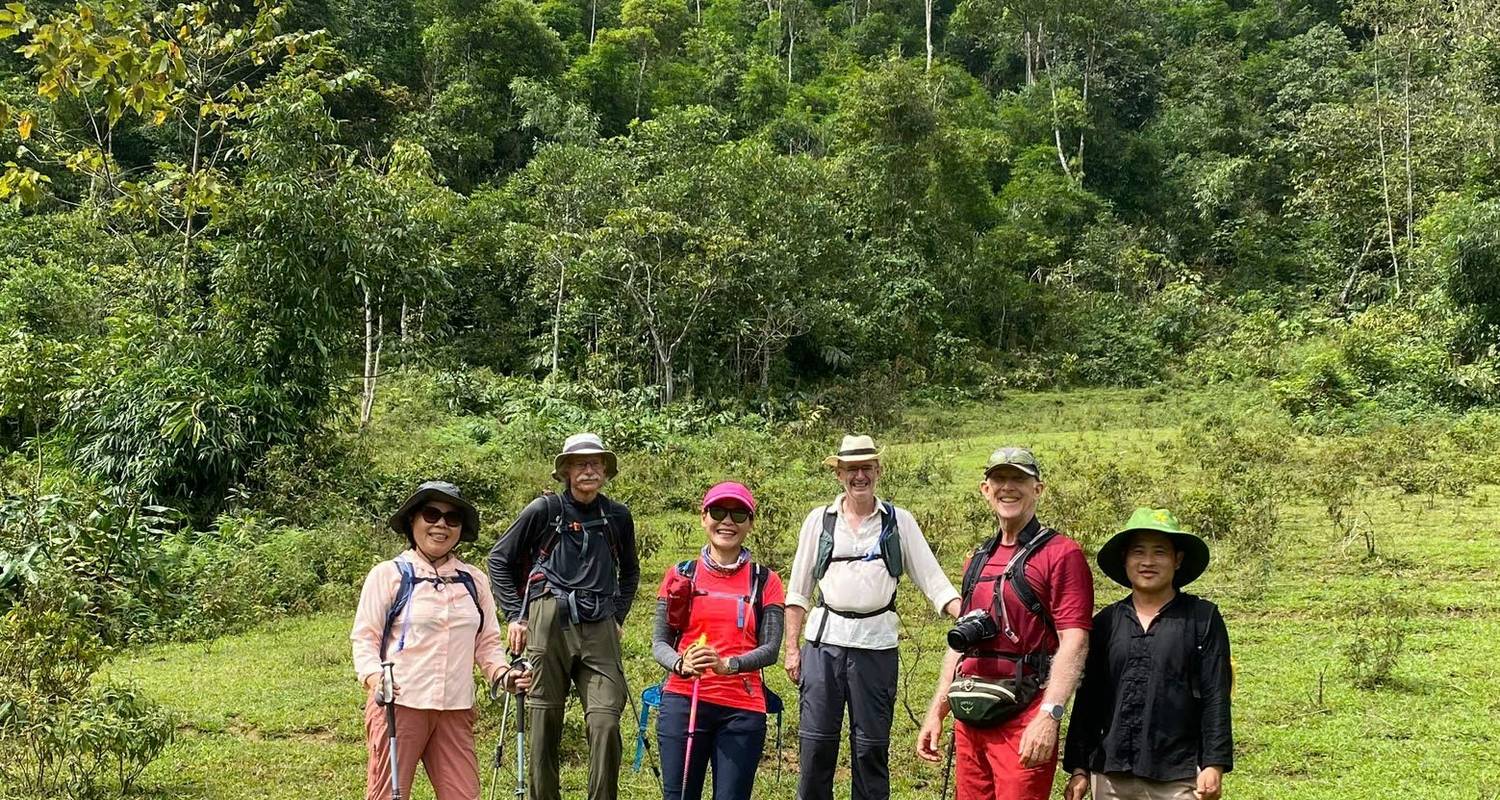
<point>834,677</point>
<point>732,739</point>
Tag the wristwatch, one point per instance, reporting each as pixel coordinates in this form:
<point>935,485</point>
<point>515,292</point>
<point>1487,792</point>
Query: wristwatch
<point>1053,710</point>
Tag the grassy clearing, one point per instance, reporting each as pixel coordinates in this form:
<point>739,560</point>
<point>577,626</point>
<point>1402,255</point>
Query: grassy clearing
<point>276,714</point>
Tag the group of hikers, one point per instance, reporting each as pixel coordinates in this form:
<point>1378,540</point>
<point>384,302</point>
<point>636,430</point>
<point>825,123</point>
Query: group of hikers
<point>1151,719</point>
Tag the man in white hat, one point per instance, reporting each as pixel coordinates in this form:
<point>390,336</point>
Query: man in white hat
<point>852,552</point>
<point>565,575</point>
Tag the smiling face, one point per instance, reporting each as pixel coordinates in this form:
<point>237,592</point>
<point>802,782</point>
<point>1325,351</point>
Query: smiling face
<point>725,535</point>
<point>1151,561</point>
<point>1012,495</point>
<point>436,539</point>
<point>859,479</point>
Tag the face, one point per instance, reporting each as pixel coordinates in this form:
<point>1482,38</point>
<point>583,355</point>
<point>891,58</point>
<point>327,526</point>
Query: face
<point>726,534</point>
<point>859,479</point>
<point>1151,561</point>
<point>585,473</point>
<point>1012,494</point>
<point>436,539</point>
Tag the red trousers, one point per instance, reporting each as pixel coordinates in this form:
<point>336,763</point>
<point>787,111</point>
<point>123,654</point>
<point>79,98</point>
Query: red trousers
<point>442,740</point>
<point>987,762</point>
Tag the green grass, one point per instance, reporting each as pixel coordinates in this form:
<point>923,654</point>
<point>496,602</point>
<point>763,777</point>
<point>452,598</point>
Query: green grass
<point>275,713</point>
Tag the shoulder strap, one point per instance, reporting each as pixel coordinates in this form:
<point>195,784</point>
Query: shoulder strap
<point>467,580</point>
<point>890,541</point>
<point>825,543</point>
<point>403,598</point>
<point>1022,585</point>
<point>977,560</point>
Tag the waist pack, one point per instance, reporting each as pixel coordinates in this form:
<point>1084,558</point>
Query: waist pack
<point>985,702</point>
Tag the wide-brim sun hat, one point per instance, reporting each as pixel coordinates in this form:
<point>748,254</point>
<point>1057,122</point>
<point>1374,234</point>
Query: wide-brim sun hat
<point>729,493</point>
<point>400,521</point>
<point>1111,557</point>
<point>585,444</point>
<point>853,450</point>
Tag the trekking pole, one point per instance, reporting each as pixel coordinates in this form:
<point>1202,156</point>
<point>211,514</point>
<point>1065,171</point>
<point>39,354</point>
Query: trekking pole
<point>687,755</point>
<point>518,661</point>
<point>388,699</point>
<point>522,664</point>
<point>499,744</point>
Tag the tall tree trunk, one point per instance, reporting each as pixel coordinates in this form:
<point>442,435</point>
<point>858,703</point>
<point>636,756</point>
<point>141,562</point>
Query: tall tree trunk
<point>368,394</point>
<point>1385,183</point>
<point>791,43</point>
<point>1088,68</point>
<point>928,8</point>
<point>593,20</point>
<point>1026,45</point>
<point>562,274</point>
<point>1062,156</point>
<point>1406,152</point>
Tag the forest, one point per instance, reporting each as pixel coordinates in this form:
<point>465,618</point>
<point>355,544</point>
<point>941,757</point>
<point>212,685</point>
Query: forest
<point>235,235</point>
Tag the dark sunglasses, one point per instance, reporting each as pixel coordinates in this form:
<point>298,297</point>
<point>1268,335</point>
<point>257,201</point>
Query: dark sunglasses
<point>739,515</point>
<point>431,515</point>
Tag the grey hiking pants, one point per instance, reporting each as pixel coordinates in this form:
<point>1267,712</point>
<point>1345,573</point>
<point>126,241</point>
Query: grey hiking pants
<point>864,680</point>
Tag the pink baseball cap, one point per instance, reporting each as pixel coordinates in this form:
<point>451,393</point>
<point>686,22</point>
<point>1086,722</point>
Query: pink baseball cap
<point>729,490</point>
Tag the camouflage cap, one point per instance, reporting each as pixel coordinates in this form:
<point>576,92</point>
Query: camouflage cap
<point>1018,457</point>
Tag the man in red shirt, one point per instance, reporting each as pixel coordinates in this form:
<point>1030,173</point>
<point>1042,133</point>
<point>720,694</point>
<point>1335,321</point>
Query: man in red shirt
<point>1031,643</point>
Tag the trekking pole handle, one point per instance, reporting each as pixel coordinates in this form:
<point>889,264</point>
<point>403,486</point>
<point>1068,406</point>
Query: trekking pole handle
<point>387,683</point>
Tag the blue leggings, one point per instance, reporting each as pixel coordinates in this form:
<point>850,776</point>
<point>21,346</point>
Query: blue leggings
<point>731,737</point>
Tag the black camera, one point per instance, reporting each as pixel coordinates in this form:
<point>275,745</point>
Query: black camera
<point>971,629</point>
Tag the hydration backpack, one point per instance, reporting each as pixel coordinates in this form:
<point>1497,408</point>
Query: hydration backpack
<point>887,548</point>
<point>684,590</point>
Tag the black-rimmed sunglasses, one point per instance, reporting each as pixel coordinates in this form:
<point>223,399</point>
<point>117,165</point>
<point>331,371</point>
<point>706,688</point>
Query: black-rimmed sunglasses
<point>739,515</point>
<point>431,515</point>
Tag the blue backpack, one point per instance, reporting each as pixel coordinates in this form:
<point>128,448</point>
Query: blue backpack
<point>409,580</point>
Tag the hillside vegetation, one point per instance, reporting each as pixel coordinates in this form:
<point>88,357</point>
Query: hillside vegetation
<point>264,266</point>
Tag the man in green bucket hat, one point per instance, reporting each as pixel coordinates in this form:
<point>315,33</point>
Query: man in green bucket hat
<point>1152,719</point>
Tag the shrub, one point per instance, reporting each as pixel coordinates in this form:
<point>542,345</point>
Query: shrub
<point>1373,649</point>
<point>63,735</point>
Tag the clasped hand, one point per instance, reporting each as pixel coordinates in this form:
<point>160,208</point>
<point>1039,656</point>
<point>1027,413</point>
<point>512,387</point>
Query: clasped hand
<point>698,660</point>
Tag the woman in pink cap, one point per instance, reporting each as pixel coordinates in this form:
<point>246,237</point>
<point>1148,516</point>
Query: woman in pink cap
<point>719,621</point>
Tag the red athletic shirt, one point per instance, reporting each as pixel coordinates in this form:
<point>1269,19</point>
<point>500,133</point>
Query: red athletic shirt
<point>1059,574</point>
<point>717,614</point>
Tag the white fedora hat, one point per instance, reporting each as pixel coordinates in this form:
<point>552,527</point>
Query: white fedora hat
<point>854,450</point>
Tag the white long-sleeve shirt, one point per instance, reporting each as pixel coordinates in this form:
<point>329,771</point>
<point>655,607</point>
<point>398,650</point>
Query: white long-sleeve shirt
<point>861,586</point>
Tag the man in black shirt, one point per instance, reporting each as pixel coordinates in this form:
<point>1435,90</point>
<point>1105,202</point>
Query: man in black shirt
<point>569,561</point>
<point>1151,720</point>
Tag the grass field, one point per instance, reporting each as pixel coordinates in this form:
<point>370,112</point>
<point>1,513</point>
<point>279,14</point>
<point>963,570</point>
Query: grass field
<point>275,713</point>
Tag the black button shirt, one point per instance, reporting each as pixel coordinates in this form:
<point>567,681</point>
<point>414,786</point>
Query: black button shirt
<point>1154,703</point>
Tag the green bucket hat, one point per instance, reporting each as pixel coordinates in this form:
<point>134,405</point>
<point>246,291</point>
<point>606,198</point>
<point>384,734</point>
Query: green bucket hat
<point>1111,556</point>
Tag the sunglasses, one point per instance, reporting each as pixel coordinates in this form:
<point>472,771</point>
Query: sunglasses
<point>739,515</point>
<point>431,515</point>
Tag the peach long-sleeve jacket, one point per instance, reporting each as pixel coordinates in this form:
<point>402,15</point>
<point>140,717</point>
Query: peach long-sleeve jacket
<point>444,640</point>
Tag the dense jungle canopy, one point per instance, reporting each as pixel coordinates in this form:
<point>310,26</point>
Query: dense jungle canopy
<point>225,218</point>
